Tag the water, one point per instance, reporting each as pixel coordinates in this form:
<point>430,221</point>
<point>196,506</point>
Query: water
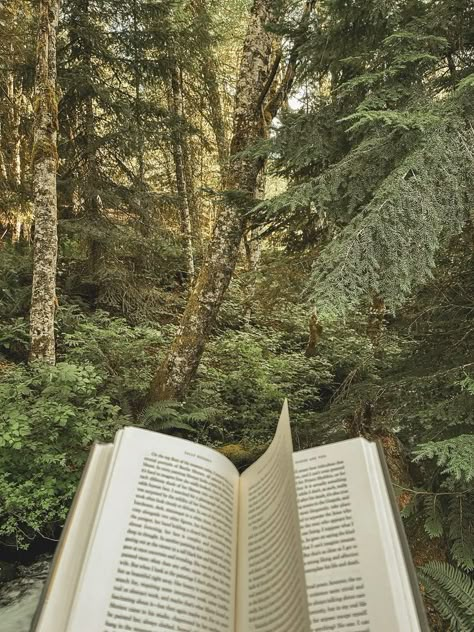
<point>19,597</point>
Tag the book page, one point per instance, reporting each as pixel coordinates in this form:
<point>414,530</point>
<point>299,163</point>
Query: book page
<point>347,554</point>
<point>56,602</point>
<point>163,556</point>
<point>404,579</point>
<point>271,594</point>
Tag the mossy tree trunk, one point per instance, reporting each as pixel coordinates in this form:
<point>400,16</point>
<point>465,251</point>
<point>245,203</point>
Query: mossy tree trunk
<point>251,122</point>
<point>217,120</point>
<point>44,166</point>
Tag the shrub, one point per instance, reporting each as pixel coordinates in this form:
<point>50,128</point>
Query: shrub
<point>49,417</point>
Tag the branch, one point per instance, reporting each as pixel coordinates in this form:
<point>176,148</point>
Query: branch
<point>269,80</point>
<point>286,84</point>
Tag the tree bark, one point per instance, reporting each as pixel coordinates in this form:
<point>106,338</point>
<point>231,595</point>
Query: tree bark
<point>188,161</point>
<point>180,172</point>
<point>180,365</point>
<point>44,165</point>
<point>211,83</point>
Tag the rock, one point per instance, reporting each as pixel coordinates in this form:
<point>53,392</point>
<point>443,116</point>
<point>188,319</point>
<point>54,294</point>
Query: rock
<point>7,572</point>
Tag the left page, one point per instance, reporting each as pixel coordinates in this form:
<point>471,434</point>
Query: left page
<point>163,554</point>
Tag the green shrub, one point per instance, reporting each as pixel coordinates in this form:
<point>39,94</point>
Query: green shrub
<point>49,417</point>
<point>244,377</point>
<point>125,356</point>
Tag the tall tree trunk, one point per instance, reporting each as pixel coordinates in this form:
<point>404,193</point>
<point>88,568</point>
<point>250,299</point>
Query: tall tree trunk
<point>253,252</point>
<point>3,168</point>
<point>180,365</point>
<point>188,161</point>
<point>145,222</point>
<point>179,163</point>
<point>211,83</point>
<point>92,202</point>
<point>44,165</point>
<point>14,95</point>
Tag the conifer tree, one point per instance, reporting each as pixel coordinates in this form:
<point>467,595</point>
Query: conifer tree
<point>375,160</point>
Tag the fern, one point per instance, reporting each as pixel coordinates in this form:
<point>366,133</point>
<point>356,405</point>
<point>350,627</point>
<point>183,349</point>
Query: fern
<point>434,516</point>
<point>164,415</point>
<point>455,455</point>
<point>461,530</point>
<point>452,592</point>
<point>171,415</point>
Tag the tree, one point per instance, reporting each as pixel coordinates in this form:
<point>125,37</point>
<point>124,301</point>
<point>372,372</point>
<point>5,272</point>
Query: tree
<point>184,185</point>
<point>17,36</point>
<point>256,104</point>
<point>44,163</point>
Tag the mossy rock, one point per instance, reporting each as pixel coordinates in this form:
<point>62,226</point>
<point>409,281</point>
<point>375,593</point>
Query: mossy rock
<point>242,455</point>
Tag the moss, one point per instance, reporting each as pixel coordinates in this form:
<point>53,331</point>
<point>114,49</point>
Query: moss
<point>48,101</point>
<point>242,455</point>
<point>43,149</point>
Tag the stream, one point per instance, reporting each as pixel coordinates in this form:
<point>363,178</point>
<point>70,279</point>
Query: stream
<point>19,597</point>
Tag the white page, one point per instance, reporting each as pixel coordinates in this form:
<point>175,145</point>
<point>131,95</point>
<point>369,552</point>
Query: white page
<point>271,585</point>
<point>347,560</point>
<point>163,556</point>
<point>395,557</point>
<point>74,541</point>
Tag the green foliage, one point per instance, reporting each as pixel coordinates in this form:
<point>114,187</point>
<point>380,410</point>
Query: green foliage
<point>171,416</point>
<point>49,417</point>
<point>390,248</point>
<point>454,455</point>
<point>15,281</point>
<point>453,593</point>
<point>15,337</point>
<point>125,356</point>
<point>245,375</point>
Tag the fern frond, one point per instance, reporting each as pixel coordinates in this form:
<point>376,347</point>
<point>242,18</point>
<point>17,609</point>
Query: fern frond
<point>455,455</point>
<point>461,530</point>
<point>452,592</point>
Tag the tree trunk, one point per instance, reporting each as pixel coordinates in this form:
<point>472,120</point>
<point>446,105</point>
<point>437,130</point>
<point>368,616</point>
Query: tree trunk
<point>92,202</point>
<point>180,171</point>
<point>44,165</point>
<point>189,172</point>
<point>180,365</point>
<point>14,95</point>
<point>253,252</point>
<point>217,116</point>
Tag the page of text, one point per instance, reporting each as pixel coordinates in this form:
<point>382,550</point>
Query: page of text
<point>347,573</point>
<point>163,557</point>
<point>271,584</point>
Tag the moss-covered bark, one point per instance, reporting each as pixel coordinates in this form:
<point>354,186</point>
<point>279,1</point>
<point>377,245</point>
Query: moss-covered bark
<point>44,166</point>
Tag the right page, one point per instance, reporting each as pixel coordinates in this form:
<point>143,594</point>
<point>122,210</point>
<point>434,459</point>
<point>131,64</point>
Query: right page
<point>354,580</point>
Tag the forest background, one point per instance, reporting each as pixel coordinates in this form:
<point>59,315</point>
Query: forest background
<point>207,206</point>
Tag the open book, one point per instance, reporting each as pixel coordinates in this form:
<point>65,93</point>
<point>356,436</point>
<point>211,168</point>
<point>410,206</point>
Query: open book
<point>165,536</point>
